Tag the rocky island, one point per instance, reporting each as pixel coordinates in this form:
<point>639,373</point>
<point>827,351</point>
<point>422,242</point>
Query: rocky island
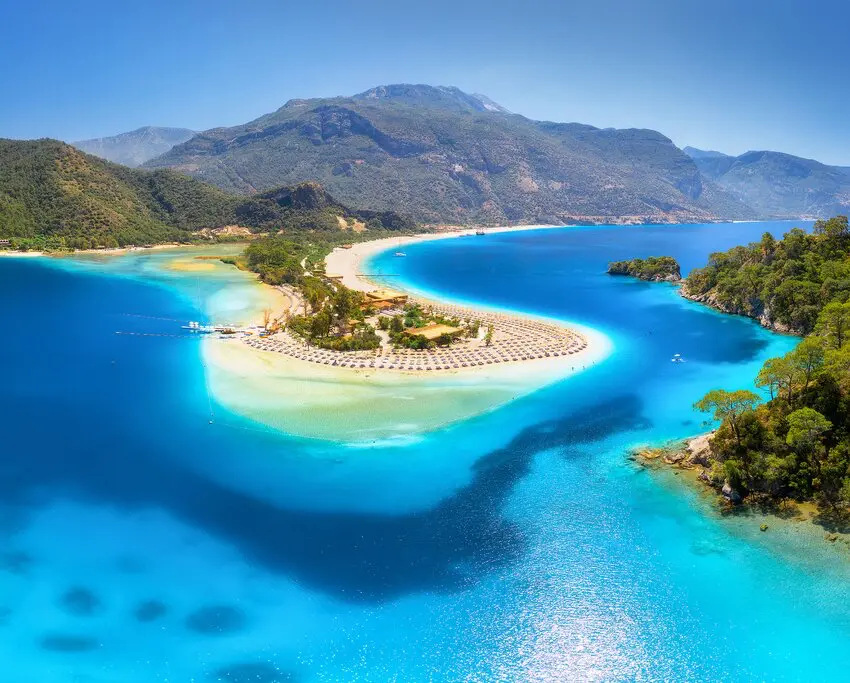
<point>651,269</point>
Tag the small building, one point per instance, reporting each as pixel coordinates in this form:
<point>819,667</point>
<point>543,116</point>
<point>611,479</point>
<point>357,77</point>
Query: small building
<point>334,277</point>
<point>5,243</point>
<point>434,331</point>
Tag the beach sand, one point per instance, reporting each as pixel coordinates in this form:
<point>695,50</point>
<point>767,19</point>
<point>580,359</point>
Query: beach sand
<point>348,262</point>
<point>348,405</point>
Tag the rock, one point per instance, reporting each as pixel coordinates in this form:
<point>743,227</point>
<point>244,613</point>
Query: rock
<point>764,527</point>
<point>704,476</point>
<point>699,450</point>
<point>674,458</point>
<point>729,493</point>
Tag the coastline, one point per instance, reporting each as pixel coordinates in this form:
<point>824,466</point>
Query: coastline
<point>782,525</point>
<point>348,262</point>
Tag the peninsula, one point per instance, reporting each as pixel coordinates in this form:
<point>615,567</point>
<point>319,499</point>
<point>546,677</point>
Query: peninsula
<point>296,374</point>
<point>337,317</point>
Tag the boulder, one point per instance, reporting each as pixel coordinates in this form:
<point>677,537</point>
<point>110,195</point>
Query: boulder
<point>699,450</point>
<point>729,493</point>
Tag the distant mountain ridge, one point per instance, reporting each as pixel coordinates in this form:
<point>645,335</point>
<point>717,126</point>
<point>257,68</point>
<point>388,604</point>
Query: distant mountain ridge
<point>54,196</point>
<point>136,147</point>
<point>778,185</point>
<point>445,156</point>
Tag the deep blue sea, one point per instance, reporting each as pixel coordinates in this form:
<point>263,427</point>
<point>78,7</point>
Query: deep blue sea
<point>140,543</point>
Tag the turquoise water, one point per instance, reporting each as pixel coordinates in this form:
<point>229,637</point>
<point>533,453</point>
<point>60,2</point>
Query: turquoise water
<point>138,542</point>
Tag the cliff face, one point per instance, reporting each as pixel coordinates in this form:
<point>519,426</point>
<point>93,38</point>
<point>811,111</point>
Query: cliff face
<point>754,309</point>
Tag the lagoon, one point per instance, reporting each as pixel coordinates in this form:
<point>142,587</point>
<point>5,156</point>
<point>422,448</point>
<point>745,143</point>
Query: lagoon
<point>518,545</point>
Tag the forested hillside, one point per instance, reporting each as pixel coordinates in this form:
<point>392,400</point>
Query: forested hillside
<point>52,196</point>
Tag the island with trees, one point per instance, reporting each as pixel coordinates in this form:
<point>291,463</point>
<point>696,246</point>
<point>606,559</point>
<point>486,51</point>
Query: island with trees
<point>651,269</point>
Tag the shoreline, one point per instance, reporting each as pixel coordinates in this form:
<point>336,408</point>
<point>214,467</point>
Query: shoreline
<point>683,464</point>
<point>348,262</point>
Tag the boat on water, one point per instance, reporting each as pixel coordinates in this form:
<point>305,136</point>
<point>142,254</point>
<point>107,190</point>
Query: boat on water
<point>480,232</point>
<point>400,253</point>
<point>677,358</point>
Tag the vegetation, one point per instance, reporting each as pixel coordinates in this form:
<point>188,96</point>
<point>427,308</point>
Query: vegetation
<point>797,443</point>
<point>335,319</point>
<point>783,283</point>
<point>654,268</point>
<point>447,156</point>
<point>54,197</point>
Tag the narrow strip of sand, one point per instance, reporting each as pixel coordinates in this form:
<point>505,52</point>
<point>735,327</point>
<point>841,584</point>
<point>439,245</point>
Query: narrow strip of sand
<point>348,262</point>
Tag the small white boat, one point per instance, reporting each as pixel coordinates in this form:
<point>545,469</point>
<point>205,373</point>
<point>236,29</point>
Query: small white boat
<point>677,358</point>
<point>400,253</point>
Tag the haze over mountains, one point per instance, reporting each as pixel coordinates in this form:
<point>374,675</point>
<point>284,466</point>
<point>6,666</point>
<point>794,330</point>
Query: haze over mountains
<point>777,184</point>
<point>445,156</point>
<point>136,147</point>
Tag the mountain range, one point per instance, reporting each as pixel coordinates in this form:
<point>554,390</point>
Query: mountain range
<point>442,155</point>
<point>54,196</point>
<point>445,156</point>
<point>778,185</point>
<point>136,147</point>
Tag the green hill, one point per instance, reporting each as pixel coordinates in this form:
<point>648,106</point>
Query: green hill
<point>443,155</point>
<point>54,196</point>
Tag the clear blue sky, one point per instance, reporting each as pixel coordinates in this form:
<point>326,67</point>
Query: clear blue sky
<point>730,75</point>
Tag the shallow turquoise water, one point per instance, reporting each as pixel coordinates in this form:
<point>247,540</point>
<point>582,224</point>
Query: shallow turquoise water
<point>140,543</point>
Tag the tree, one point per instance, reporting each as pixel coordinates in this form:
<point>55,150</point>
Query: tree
<point>728,406</point>
<point>771,376</point>
<point>807,359</point>
<point>834,229</point>
<point>834,323</point>
<point>805,427</point>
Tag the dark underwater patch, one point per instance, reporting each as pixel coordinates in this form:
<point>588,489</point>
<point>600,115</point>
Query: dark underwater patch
<point>16,562</point>
<point>68,643</point>
<point>252,672</point>
<point>80,602</point>
<point>150,610</point>
<point>216,620</point>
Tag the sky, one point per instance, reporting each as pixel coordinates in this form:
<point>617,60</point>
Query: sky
<point>729,75</point>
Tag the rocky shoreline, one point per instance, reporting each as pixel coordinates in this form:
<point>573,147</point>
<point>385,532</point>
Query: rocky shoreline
<point>761,316</point>
<point>692,457</point>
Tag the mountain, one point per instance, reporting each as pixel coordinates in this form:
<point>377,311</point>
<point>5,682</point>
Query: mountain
<point>136,147</point>
<point>695,153</point>
<point>54,196</point>
<point>777,184</point>
<point>445,156</point>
